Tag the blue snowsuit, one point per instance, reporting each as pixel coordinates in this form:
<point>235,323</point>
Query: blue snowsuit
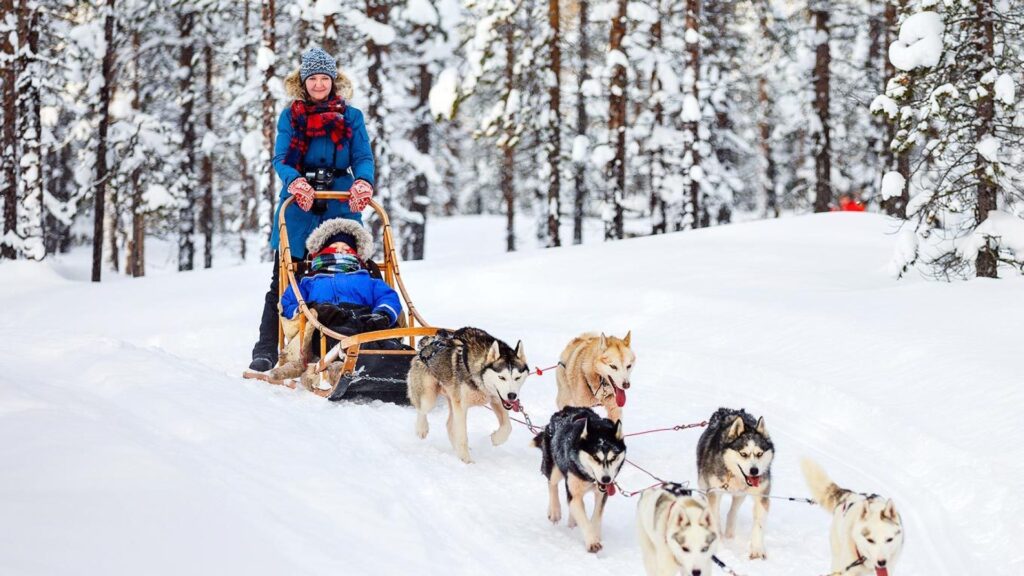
<point>350,288</point>
<point>354,161</point>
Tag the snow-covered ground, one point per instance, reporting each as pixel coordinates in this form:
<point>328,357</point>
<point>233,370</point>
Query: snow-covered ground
<point>131,446</point>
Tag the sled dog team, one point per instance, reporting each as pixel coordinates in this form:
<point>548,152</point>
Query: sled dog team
<point>678,528</point>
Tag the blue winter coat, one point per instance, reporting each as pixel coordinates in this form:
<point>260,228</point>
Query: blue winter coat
<point>351,288</point>
<point>356,157</point>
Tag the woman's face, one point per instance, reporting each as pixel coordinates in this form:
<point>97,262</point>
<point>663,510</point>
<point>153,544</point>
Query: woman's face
<point>319,87</point>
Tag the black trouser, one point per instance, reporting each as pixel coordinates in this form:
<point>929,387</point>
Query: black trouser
<point>266,346</point>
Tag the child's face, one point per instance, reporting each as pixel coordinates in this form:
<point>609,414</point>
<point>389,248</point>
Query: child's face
<point>342,248</point>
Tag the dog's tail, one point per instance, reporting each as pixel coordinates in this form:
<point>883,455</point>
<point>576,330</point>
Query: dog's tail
<point>825,492</point>
<point>538,440</point>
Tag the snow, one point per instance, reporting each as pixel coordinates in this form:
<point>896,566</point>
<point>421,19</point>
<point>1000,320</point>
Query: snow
<point>1005,89</point>
<point>893,184</point>
<point>883,103</point>
<point>420,12</point>
<point>580,146</point>
<point>691,109</point>
<point>616,58</point>
<point>988,147</point>
<point>381,34</point>
<point>133,447</point>
<point>444,93</point>
<point>323,8</point>
<point>265,58</point>
<point>1006,229</point>
<point>920,42</point>
<point>919,201</point>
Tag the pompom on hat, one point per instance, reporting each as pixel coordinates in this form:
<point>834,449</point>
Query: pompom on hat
<point>316,61</point>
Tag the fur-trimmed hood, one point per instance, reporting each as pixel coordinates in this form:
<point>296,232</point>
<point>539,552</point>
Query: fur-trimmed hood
<point>364,241</point>
<point>293,85</point>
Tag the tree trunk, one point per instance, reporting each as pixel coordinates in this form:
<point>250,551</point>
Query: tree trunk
<point>9,142</point>
<point>693,19</point>
<point>615,193</point>
<point>554,144</point>
<point>270,43</point>
<point>658,169</point>
<point>508,191</point>
<point>765,127</point>
<point>186,178</point>
<point>134,263</point>
<point>249,216</point>
<point>29,132</point>
<point>822,94</point>
<point>986,265</point>
<point>419,191</point>
<point>206,211</point>
<point>581,124</point>
<point>330,36</point>
<point>99,187</point>
<point>891,160</point>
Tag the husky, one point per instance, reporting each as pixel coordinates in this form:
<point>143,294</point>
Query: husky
<point>469,367</point>
<point>675,532</point>
<point>866,529</point>
<point>587,451</point>
<point>594,370</point>
<point>734,454</point>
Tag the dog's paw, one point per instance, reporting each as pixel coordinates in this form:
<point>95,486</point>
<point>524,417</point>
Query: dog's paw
<point>757,553</point>
<point>555,516</point>
<point>730,533</point>
<point>499,436</point>
<point>594,547</point>
<point>572,522</point>
<point>465,457</point>
<point>422,428</point>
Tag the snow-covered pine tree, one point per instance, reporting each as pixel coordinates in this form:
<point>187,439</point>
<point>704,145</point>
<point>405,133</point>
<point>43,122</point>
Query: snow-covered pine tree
<point>961,64</point>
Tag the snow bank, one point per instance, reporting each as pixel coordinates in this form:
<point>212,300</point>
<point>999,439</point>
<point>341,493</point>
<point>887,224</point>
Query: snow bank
<point>920,42</point>
<point>1005,229</point>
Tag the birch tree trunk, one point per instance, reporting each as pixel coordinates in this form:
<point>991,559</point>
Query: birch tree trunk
<point>186,178</point>
<point>8,141</point>
<point>100,184</point>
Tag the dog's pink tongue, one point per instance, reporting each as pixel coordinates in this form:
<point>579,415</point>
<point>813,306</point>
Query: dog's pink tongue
<point>516,407</point>
<point>881,571</point>
<point>609,489</point>
<point>755,481</point>
<point>620,396</point>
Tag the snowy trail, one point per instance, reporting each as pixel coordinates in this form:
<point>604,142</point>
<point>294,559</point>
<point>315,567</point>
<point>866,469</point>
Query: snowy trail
<point>132,446</point>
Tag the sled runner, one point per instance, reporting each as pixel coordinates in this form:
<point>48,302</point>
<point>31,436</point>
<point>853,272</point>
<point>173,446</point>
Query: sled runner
<point>361,367</point>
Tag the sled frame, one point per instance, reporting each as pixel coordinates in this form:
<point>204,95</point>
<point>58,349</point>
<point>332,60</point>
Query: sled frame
<point>410,324</point>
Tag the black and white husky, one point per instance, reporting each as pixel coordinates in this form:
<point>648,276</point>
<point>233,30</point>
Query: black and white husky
<point>735,455</point>
<point>587,451</point>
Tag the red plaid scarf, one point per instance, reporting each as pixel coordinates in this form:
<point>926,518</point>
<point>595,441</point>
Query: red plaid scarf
<point>312,120</point>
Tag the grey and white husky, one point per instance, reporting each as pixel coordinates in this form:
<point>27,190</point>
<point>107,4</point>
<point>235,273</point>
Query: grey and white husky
<point>587,451</point>
<point>734,454</point>
<point>675,532</point>
<point>863,526</point>
<point>469,367</point>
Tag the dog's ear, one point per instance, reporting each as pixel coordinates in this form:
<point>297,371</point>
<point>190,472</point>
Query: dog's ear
<point>683,520</point>
<point>889,512</point>
<point>627,338</point>
<point>761,428</point>
<point>604,341</point>
<point>735,429</point>
<point>520,354</point>
<point>493,353</point>
<point>705,518</point>
<point>583,434</point>
<point>618,430</point>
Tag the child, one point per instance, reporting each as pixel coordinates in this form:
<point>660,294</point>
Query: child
<point>347,299</point>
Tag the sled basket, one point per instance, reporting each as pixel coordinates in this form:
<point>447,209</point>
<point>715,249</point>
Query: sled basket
<point>373,364</point>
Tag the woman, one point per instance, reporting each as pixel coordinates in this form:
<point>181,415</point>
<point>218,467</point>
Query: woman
<point>319,137</point>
